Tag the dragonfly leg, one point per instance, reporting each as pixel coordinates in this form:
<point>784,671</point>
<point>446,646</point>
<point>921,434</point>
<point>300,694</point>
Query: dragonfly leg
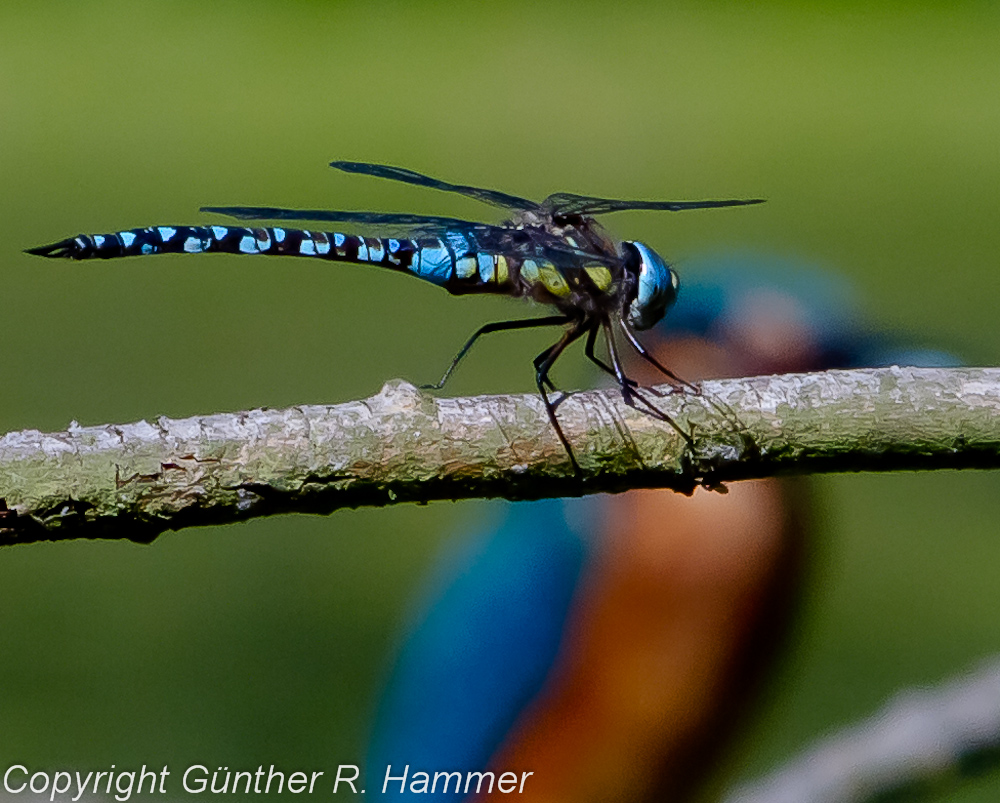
<point>681,384</point>
<point>543,364</point>
<point>589,350</point>
<point>656,363</point>
<point>501,326</point>
<point>631,394</point>
<point>548,381</point>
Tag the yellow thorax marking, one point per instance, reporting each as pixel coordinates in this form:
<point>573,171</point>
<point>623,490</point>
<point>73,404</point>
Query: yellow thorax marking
<point>600,276</point>
<point>552,280</point>
<point>502,272</point>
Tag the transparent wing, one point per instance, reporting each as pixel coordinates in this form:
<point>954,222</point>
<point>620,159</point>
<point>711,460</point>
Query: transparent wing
<point>493,197</point>
<point>530,243</point>
<point>566,203</point>
<point>391,219</point>
<point>520,243</point>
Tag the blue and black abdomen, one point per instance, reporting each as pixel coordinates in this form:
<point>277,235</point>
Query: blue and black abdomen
<point>451,261</point>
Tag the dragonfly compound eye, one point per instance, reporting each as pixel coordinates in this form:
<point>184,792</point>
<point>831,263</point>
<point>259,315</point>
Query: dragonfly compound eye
<point>657,286</point>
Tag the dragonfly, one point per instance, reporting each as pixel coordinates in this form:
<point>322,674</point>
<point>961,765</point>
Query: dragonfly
<point>553,252</point>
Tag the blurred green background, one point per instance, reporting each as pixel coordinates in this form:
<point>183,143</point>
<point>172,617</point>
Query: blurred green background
<point>875,135</point>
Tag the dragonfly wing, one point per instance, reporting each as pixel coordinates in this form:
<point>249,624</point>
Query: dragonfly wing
<point>538,244</point>
<point>517,243</point>
<point>391,219</point>
<point>487,237</point>
<point>493,197</point>
<point>566,203</point>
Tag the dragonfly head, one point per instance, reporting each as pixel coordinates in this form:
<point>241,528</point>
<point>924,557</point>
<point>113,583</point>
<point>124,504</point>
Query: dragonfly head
<point>655,286</point>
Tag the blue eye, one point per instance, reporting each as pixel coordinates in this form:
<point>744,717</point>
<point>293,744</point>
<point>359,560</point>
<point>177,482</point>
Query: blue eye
<point>657,289</point>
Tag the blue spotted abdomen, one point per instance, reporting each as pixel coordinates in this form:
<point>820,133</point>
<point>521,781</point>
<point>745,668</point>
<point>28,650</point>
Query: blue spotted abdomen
<point>450,261</point>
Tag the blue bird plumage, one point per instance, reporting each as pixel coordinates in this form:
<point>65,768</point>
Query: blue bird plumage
<point>489,655</point>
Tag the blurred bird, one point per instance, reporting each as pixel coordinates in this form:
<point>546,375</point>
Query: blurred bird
<point>609,646</point>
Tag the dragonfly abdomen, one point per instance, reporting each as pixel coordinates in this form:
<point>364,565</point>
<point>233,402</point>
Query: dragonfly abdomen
<point>209,239</point>
<point>450,261</point>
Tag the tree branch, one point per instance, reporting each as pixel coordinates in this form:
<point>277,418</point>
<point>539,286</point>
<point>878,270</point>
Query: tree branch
<point>137,480</point>
<point>919,741</point>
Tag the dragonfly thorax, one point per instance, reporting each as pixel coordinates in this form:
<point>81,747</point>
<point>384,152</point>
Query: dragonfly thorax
<point>655,286</point>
